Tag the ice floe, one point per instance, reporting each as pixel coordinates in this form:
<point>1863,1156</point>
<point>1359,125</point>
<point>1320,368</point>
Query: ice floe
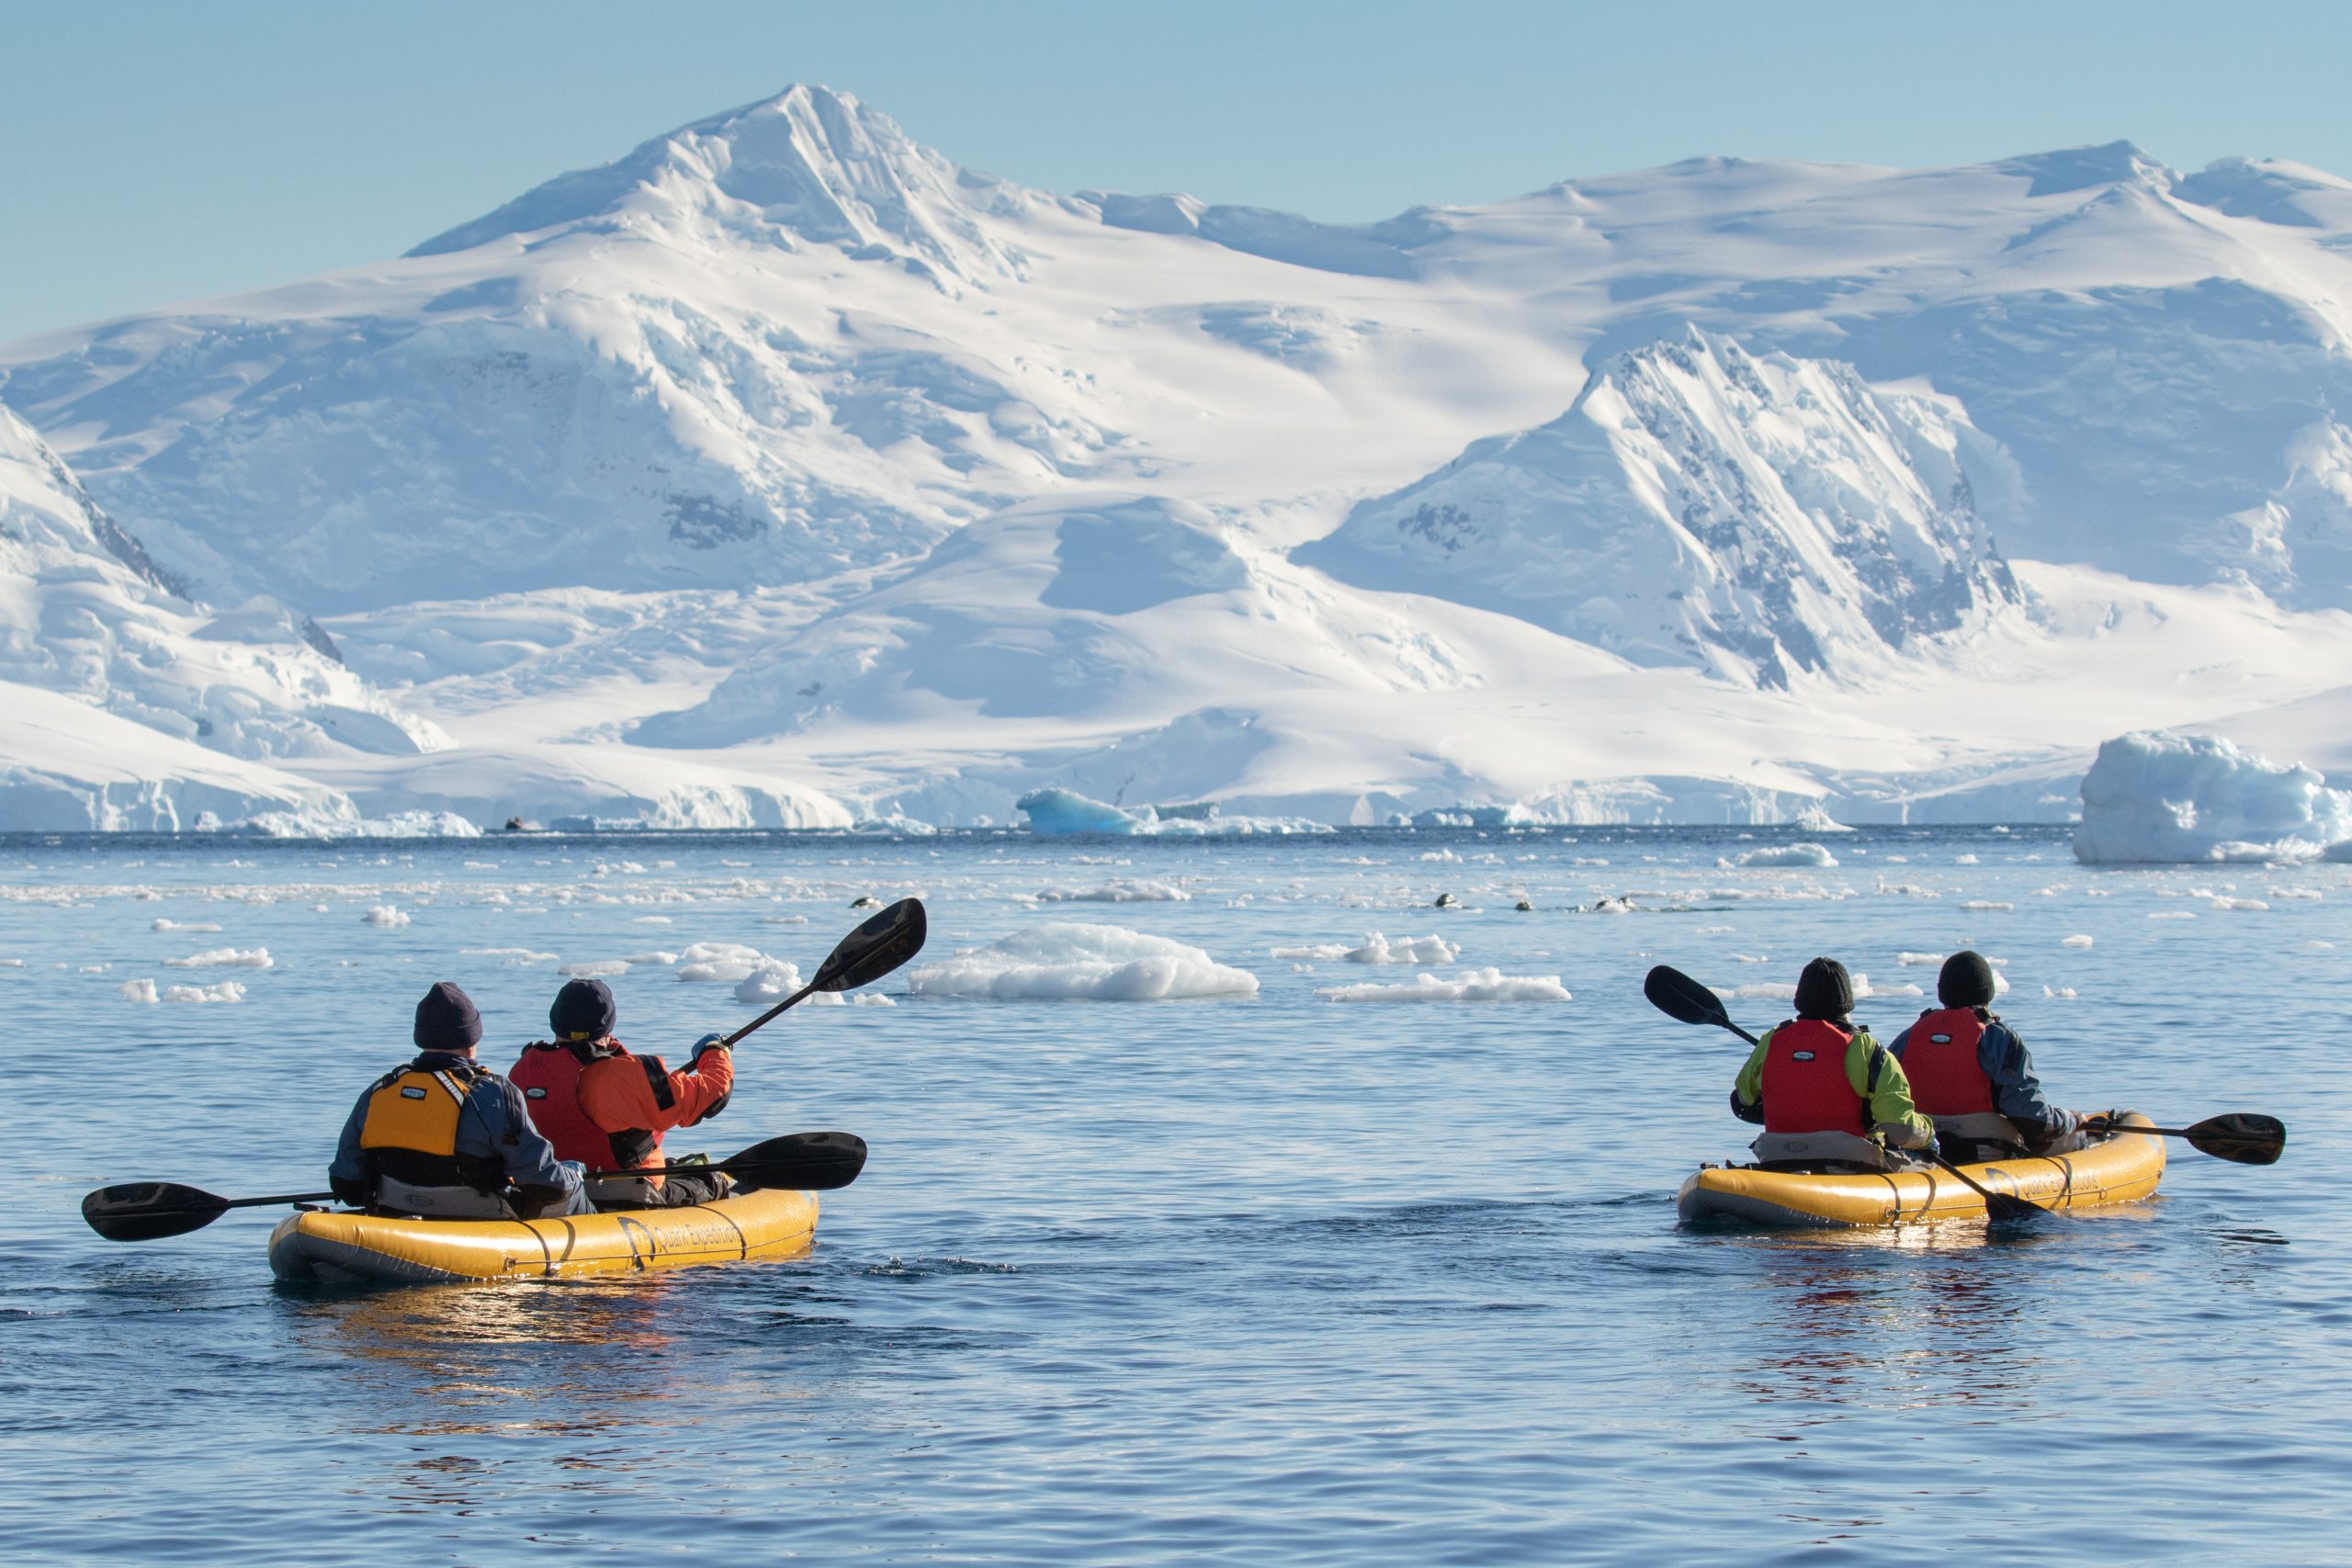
<point>1469,985</point>
<point>224,958</point>
<point>2076,940</point>
<point>1117,891</point>
<point>226,991</point>
<point>1084,962</point>
<point>165,925</point>
<point>594,969</point>
<point>385,915</point>
<point>1378,949</point>
<point>1788,855</point>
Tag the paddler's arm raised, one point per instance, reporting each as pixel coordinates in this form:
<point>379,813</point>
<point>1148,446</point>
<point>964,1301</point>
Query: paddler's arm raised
<point>1879,1078</point>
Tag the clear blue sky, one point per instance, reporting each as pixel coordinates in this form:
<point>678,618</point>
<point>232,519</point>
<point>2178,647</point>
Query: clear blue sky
<point>150,152</point>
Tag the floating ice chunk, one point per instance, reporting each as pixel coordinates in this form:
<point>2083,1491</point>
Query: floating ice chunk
<point>2076,940</point>
<point>2173,915</point>
<point>513,957</point>
<point>1964,860</point>
<point>1378,949</point>
<point>1065,811</point>
<point>224,958</point>
<point>872,1000</point>
<point>651,921</point>
<point>384,915</point>
<point>2062,993</point>
<point>2154,797</point>
<point>781,921</point>
<point>139,990</point>
<point>226,991</point>
<point>1761,991</point>
<point>1091,963</point>
<point>771,980</point>
<point>11,964</point>
<point>1813,819</point>
<point>1470,985</point>
<point>1788,856</point>
<point>2315,946</point>
<point>1117,892</point>
<point>663,959</point>
<point>1864,989</point>
<point>594,969</point>
<point>1715,931</point>
<point>2254,904</point>
<point>1920,960</point>
<point>1990,905</point>
<point>164,925</point>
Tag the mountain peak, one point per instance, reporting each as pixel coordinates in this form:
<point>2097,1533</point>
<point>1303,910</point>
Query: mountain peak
<point>2087,168</point>
<point>806,165</point>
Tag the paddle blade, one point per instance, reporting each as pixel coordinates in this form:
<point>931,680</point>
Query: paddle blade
<point>148,1211</point>
<point>1677,996</point>
<point>810,1162</point>
<point>876,948</point>
<point>2240,1135</point>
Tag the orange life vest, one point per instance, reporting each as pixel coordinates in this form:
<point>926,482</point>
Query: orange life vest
<point>1804,1082</point>
<point>1940,1058</point>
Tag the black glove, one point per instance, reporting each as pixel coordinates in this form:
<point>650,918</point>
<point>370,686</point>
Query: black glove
<point>1745,1111</point>
<point>532,1201</point>
<point>351,1190</point>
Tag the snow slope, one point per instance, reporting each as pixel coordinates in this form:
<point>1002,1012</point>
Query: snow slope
<point>89,622</point>
<point>784,470</point>
<point>1701,504</point>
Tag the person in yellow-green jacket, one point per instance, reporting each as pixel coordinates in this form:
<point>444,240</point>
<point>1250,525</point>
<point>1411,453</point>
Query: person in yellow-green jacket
<point>1830,1097</point>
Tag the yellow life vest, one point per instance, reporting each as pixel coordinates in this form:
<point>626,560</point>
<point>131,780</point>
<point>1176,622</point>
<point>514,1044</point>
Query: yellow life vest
<point>415,1111</point>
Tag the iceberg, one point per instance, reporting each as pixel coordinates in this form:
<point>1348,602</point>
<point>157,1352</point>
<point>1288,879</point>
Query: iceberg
<point>2154,797</point>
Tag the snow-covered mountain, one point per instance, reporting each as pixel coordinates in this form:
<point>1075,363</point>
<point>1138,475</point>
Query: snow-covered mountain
<point>785,463</point>
<point>86,613</point>
<point>1700,504</point>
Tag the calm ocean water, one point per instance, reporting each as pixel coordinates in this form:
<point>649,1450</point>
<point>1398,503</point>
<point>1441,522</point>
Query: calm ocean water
<point>1284,1279</point>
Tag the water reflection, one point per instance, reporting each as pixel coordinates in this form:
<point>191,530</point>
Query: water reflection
<point>1923,1319</point>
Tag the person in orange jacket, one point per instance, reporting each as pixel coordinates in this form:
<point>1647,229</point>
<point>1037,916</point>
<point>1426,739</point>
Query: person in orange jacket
<point>608,1108</point>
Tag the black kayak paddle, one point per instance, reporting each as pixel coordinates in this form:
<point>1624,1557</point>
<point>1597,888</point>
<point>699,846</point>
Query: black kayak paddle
<point>2242,1136</point>
<point>1680,997</point>
<point>867,953</point>
<point>150,1210</point>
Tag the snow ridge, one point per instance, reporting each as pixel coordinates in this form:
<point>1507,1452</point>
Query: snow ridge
<point>1755,514</point>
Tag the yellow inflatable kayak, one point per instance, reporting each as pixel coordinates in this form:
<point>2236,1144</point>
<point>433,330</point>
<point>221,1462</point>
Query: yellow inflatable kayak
<point>2116,1169</point>
<point>341,1248</point>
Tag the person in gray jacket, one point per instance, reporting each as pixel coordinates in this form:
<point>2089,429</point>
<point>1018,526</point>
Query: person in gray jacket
<point>445,1138</point>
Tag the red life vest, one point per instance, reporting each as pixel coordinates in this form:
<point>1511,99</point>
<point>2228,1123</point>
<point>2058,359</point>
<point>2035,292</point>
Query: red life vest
<point>1940,1058</point>
<point>549,1076</point>
<point>1804,1080</point>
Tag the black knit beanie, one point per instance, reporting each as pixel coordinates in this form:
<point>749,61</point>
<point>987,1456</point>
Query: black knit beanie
<point>1825,990</point>
<point>584,1009</point>
<point>1965,980</point>
<point>446,1019</point>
